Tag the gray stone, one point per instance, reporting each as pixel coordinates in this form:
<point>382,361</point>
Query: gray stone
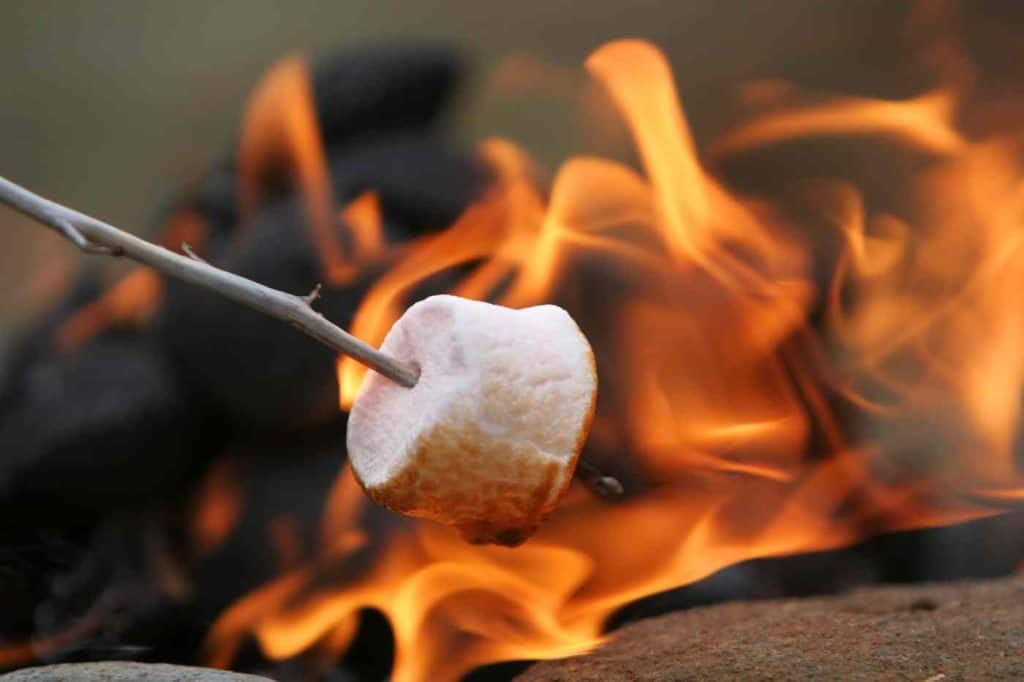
<point>125,671</point>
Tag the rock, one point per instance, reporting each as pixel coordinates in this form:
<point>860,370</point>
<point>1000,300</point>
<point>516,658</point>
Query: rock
<point>126,671</point>
<point>968,630</point>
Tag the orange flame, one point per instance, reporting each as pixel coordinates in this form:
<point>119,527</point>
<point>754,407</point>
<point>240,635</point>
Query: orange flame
<point>476,235</point>
<point>217,508</point>
<point>280,133</point>
<point>363,217</point>
<point>281,130</point>
<point>715,384</point>
<point>134,299</point>
<point>923,123</point>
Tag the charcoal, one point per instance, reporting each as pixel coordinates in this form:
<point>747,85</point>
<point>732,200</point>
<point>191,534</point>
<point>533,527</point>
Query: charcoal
<point>81,593</point>
<point>216,196</point>
<point>359,94</point>
<point>984,548</point>
<point>86,430</point>
<point>256,368</point>
<point>383,88</point>
<point>94,430</point>
<point>423,184</point>
<point>215,199</point>
<point>36,343</point>
<point>284,478</point>
<point>29,560</point>
<point>364,94</point>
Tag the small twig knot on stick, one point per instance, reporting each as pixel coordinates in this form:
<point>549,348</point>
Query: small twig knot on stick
<point>313,296</point>
<point>190,253</point>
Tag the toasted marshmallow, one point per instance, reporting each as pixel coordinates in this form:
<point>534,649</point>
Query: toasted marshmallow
<point>487,440</point>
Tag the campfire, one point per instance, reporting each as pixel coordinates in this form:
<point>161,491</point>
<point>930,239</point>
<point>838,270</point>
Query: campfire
<point>807,330</point>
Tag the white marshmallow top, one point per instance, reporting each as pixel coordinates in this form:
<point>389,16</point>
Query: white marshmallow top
<point>487,439</point>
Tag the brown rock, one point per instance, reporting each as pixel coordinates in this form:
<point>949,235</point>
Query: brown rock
<point>962,631</point>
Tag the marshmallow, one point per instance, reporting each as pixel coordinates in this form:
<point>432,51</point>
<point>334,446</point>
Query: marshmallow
<point>487,440</point>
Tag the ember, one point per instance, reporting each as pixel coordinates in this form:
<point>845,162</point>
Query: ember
<point>807,329</point>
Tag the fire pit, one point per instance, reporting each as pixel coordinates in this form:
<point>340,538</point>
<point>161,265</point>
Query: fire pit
<point>807,328</point>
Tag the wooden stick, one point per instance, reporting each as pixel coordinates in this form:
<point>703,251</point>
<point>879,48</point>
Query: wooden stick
<point>97,237</point>
<point>94,236</point>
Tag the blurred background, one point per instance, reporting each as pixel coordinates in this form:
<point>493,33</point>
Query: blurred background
<point>113,106</point>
